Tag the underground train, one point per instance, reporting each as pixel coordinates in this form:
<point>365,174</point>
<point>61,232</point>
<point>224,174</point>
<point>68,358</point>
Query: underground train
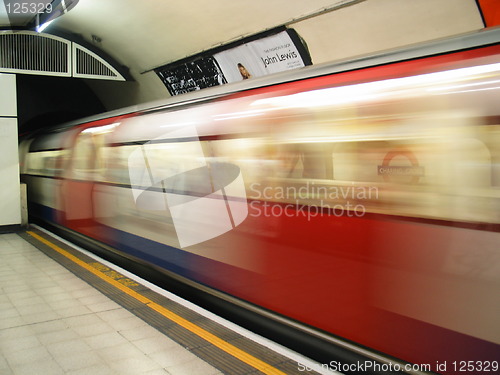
<point>358,201</point>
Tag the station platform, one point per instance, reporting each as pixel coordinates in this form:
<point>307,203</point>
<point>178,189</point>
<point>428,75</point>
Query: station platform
<point>65,311</point>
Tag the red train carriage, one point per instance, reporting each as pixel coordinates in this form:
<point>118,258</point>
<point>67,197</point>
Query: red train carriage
<point>358,200</point>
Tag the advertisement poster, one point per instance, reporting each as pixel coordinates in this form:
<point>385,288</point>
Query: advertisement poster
<point>271,54</point>
<point>192,76</point>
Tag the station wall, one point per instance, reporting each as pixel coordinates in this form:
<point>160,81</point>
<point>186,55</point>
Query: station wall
<point>377,25</point>
<point>364,27</point>
<point>10,200</point>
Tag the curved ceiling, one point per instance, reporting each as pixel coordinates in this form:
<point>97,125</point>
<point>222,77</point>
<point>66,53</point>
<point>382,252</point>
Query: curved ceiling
<point>145,34</point>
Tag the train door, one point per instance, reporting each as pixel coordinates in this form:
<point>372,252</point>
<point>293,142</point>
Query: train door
<point>82,171</point>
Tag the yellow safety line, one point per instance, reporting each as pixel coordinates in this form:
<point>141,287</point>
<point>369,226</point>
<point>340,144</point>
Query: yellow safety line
<point>204,334</point>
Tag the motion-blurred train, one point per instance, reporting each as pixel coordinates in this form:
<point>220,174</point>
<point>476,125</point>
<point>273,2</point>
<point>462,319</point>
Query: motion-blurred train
<point>358,201</point>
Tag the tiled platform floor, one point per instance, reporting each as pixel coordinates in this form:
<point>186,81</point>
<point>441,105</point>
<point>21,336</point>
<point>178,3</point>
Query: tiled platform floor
<point>52,322</point>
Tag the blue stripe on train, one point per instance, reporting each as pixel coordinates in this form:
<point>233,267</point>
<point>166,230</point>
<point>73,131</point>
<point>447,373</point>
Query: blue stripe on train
<point>195,267</point>
<point>225,277</point>
<point>43,212</point>
<point>167,257</point>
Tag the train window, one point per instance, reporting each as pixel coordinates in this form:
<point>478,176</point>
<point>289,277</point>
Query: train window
<point>84,153</point>
<point>359,161</point>
<point>34,163</point>
<point>87,162</point>
<point>316,160</point>
<point>45,163</point>
<point>254,156</point>
<point>490,136</point>
<point>164,159</point>
<point>168,159</point>
<point>116,160</point>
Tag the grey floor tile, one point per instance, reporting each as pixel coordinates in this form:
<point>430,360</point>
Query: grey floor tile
<point>93,329</point>
<point>12,322</point>
<point>155,344</point>
<point>103,306</point>
<point>173,357</point>
<point>135,365</point>
<point>160,371</point>
<point>17,332</point>
<point>39,318</point>
<point>192,368</point>
<point>118,352</point>
<point>3,364</point>
<point>127,323</point>
<point>97,369</point>
<point>83,319</point>
<point>55,337</point>
<point>73,311</point>
<point>45,367</point>
<point>27,356</point>
<point>105,340</point>
<point>139,333</point>
<point>55,323</point>
<point>93,299</point>
<point>62,301</point>
<point>38,308</point>
<point>79,360</point>
<point>9,312</point>
<point>114,315</point>
<point>68,347</point>
<point>51,326</point>
<point>15,344</point>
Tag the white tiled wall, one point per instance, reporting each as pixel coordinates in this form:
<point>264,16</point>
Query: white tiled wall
<point>10,201</point>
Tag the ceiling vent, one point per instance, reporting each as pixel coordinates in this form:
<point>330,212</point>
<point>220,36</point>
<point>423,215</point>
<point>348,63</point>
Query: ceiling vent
<point>86,64</point>
<point>28,52</point>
